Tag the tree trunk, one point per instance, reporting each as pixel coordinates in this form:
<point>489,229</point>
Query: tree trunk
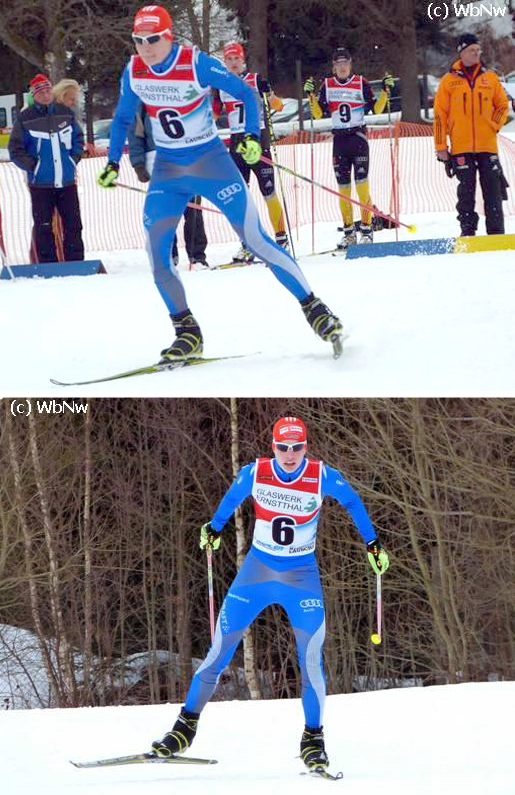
<point>248,641</point>
<point>257,22</point>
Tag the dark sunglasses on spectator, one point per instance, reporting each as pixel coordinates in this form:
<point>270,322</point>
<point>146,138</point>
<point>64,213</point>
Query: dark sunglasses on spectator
<point>153,38</point>
<point>284,448</point>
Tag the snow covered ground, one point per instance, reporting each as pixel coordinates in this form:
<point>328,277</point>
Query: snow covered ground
<point>448,740</point>
<point>418,326</point>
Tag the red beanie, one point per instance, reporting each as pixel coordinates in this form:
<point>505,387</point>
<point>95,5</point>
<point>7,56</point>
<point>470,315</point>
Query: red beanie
<point>153,19</point>
<point>38,83</point>
<point>290,429</point>
<point>233,48</point>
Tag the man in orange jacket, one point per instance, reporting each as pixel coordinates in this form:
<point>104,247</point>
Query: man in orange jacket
<point>471,107</point>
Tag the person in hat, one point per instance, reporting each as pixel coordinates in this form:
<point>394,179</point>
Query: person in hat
<point>280,568</point>
<point>174,83</point>
<point>47,143</point>
<point>470,107</point>
<point>346,97</point>
<point>235,61</point>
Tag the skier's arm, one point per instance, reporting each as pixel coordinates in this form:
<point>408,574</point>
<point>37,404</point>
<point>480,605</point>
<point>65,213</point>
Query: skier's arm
<point>239,491</point>
<point>318,104</point>
<point>213,73</point>
<point>123,117</point>
<point>334,485</point>
<point>136,140</point>
<point>265,89</point>
<point>372,104</point>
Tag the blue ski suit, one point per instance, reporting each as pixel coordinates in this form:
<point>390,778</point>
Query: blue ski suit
<point>277,570</point>
<point>191,160</point>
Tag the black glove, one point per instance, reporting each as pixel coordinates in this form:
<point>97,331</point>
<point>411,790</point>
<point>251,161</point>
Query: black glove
<point>142,172</point>
<point>449,168</point>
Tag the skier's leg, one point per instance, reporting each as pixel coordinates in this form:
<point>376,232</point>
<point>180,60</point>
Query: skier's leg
<point>304,605</point>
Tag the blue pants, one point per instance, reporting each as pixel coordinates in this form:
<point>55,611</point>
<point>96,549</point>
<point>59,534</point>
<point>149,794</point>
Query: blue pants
<point>215,176</point>
<point>257,585</point>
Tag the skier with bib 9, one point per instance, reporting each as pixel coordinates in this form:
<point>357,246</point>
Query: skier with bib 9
<point>346,97</point>
<point>280,568</point>
<point>174,84</point>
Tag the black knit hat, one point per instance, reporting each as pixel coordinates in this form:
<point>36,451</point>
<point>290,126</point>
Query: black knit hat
<point>466,40</point>
<point>341,54</point>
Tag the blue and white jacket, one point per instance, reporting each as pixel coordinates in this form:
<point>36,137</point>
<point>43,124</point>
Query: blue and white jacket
<point>47,143</point>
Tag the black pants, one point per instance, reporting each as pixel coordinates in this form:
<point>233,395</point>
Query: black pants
<point>490,178</point>
<point>66,201</point>
<point>350,151</point>
<point>194,234</point>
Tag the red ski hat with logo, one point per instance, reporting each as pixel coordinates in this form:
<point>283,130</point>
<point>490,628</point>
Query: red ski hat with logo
<point>38,83</point>
<point>234,48</point>
<point>290,429</point>
<point>153,19</point>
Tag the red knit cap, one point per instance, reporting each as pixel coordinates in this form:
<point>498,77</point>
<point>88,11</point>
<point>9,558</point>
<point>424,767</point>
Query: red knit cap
<point>38,83</point>
<point>153,19</point>
<point>233,48</point>
<point>290,429</point>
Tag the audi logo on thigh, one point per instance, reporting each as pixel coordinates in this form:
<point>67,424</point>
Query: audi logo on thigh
<point>311,603</point>
<point>229,191</point>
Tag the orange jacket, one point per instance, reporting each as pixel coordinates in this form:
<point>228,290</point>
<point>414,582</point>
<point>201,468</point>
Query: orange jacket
<point>470,110</point>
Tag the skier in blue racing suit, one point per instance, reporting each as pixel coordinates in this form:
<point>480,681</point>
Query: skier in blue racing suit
<point>174,84</point>
<point>280,568</point>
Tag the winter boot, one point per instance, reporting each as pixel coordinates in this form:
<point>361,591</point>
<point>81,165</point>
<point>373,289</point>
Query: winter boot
<point>281,238</point>
<point>349,238</point>
<point>188,342</point>
<point>243,255</point>
<point>181,736</point>
<point>321,319</point>
<point>367,234</point>
<point>312,748</point>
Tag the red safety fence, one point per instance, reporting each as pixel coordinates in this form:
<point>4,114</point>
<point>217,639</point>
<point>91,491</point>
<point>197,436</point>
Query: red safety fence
<point>112,219</point>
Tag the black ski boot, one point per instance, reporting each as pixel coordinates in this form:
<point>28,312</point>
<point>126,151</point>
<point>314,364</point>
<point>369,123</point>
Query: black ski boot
<point>321,319</point>
<point>312,748</point>
<point>181,736</point>
<point>188,342</point>
<point>281,238</point>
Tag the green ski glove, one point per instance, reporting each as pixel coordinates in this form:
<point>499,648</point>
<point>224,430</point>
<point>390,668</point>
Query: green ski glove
<point>209,537</point>
<point>378,557</point>
<point>309,86</point>
<point>388,82</point>
<point>250,149</point>
<point>106,177</point>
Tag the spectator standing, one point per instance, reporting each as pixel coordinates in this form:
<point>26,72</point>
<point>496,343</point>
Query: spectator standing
<point>470,108</point>
<point>47,143</point>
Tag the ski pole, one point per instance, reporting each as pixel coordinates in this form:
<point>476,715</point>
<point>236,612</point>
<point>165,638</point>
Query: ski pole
<point>375,211</point>
<point>392,161</point>
<point>273,142</point>
<point>190,204</point>
<point>209,554</point>
<point>376,637</point>
<point>312,152</point>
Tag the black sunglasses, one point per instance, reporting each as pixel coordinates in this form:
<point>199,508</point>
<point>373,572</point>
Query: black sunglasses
<point>284,448</point>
